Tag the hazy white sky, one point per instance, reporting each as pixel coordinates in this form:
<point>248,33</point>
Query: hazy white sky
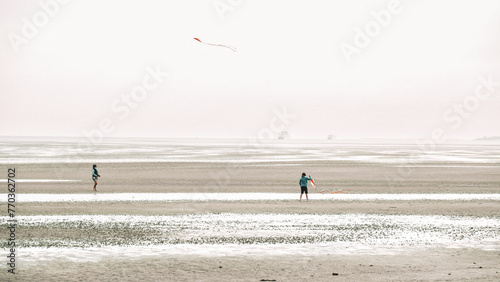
<point>69,68</point>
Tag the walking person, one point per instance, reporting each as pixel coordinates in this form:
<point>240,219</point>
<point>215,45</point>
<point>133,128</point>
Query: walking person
<point>303,185</point>
<point>95,175</point>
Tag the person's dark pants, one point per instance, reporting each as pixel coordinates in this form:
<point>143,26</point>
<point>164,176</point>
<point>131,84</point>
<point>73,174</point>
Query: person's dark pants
<point>303,189</point>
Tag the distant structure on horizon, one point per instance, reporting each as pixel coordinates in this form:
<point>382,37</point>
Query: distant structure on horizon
<point>488,138</point>
<point>332,137</point>
<point>284,135</point>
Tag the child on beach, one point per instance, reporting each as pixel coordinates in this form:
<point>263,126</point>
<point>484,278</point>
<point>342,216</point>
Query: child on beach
<point>303,185</point>
<point>95,175</point>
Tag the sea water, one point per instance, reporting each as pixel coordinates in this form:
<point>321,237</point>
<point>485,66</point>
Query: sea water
<point>264,152</point>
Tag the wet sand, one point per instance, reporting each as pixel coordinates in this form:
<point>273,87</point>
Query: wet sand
<point>164,177</point>
<point>406,263</point>
<point>439,264</point>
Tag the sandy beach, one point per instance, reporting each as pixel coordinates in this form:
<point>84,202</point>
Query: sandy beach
<point>55,247</point>
<point>438,264</point>
<point>255,177</point>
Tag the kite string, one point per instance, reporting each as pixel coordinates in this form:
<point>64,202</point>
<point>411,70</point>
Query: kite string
<point>324,191</point>
<point>217,45</point>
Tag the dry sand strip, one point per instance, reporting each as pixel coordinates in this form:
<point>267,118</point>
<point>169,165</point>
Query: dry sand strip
<point>463,208</point>
<point>440,264</point>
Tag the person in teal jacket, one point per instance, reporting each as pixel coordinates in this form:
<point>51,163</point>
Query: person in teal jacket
<point>303,185</point>
<point>95,175</point>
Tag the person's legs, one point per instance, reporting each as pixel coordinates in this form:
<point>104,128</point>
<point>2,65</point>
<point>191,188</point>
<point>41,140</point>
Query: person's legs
<point>95,185</point>
<point>306,195</point>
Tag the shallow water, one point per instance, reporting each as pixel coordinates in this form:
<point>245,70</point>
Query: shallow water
<point>64,150</point>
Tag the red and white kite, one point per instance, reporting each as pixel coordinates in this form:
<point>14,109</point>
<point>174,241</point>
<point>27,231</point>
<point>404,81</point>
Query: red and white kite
<point>313,184</point>
<point>219,45</point>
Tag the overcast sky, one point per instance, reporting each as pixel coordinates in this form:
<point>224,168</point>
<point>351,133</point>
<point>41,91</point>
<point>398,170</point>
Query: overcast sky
<point>357,69</point>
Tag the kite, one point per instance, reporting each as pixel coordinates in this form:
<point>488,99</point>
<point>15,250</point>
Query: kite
<point>312,183</point>
<point>327,191</point>
<point>219,45</point>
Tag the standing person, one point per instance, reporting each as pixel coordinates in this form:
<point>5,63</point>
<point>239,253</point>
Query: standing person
<point>303,185</point>
<point>95,175</point>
